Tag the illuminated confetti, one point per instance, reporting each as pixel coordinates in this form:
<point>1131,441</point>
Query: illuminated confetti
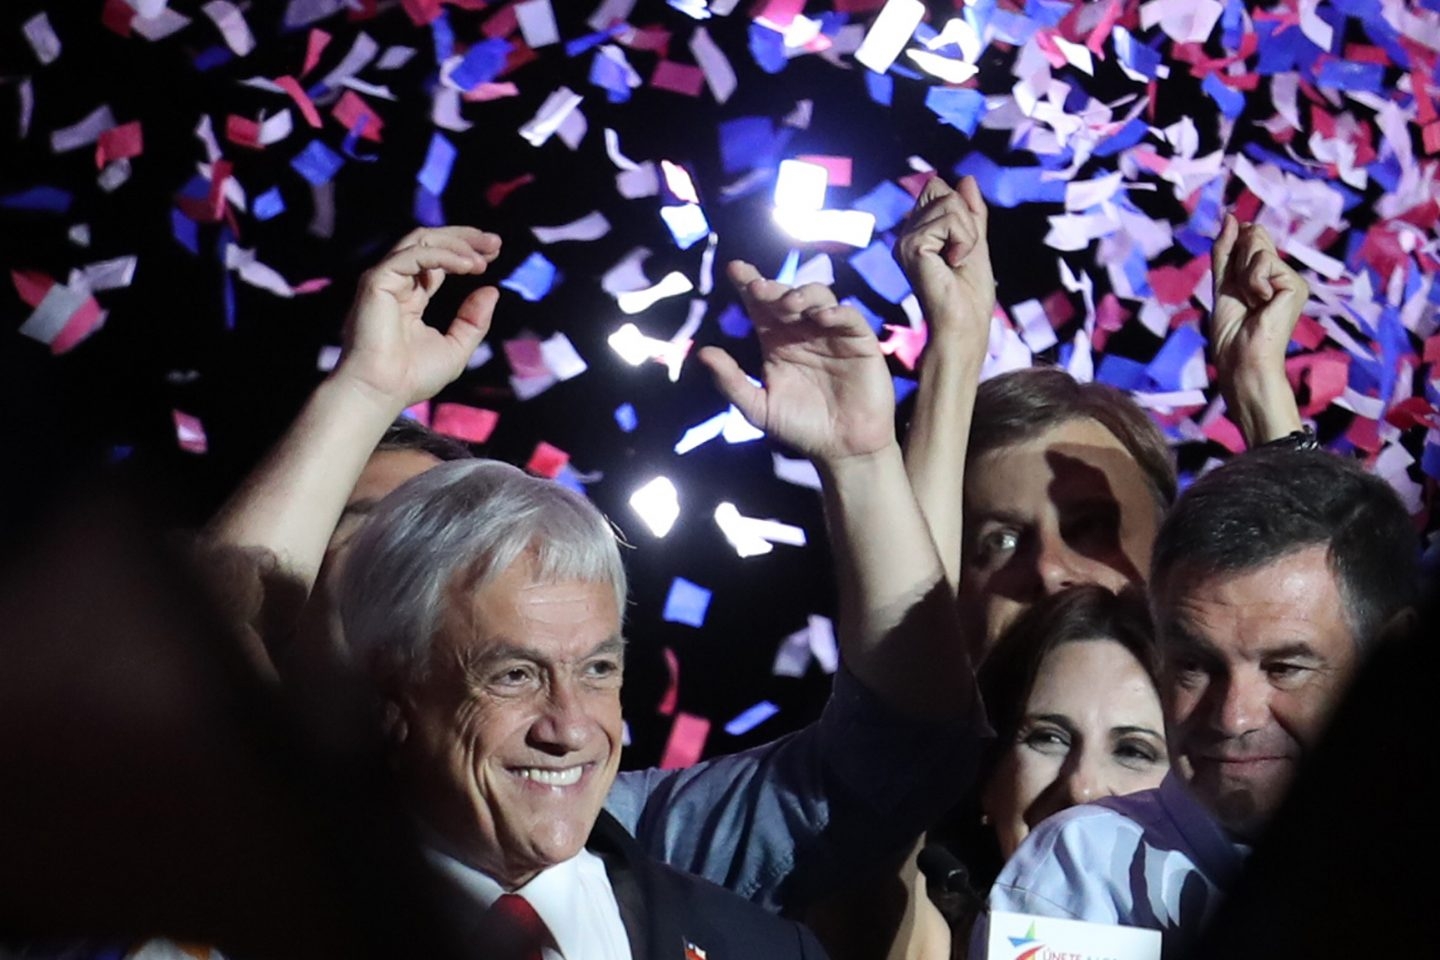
<point>686,603</point>
<point>658,504</point>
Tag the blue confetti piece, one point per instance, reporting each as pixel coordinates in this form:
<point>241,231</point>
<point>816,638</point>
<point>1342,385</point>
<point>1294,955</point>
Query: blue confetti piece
<point>1123,139</point>
<point>871,317</point>
<point>427,210</point>
<point>1386,172</point>
<point>1394,345</point>
<point>904,387</point>
<point>533,279</point>
<point>686,603</point>
<point>612,77</point>
<point>734,323</point>
<point>1139,57</point>
<point>747,143</point>
<point>1047,13</point>
<point>957,106</point>
<point>482,63</point>
<point>186,232</point>
<point>1013,27</point>
<point>119,454</point>
<point>878,269</point>
<point>1121,372</point>
<point>1278,50</point>
<point>1232,24</point>
<point>439,159</point>
<point>880,87</point>
<point>767,48</point>
<point>1137,271</point>
<point>1430,460</point>
<point>443,37</point>
<point>352,138</point>
<point>213,57</point>
<point>569,478</point>
<point>751,718</point>
<point>43,199</point>
<point>626,417</point>
<point>1364,377</point>
<point>228,291</point>
<point>1165,369</point>
<point>1231,102</point>
<point>1345,75</point>
<point>1010,186</point>
<point>317,163</point>
<point>888,203</point>
<point>268,205</point>
<point>579,45</point>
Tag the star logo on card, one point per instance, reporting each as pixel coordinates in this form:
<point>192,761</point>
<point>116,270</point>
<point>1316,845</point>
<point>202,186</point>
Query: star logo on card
<point>1026,942</point>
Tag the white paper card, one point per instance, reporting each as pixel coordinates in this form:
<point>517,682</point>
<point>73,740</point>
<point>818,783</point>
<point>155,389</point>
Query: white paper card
<point>1013,935</point>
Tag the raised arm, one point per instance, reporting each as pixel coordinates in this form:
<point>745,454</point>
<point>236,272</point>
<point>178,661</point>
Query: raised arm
<point>944,253</point>
<point>284,513</point>
<point>1258,299</point>
<point>829,394</point>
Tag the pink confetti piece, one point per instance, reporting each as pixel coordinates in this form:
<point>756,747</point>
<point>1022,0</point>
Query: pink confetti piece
<point>1225,433</point>
<point>472,424</point>
<point>1325,375</point>
<point>686,742</point>
<point>117,17</point>
<point>678,78</point>
<point>119,143</point>
<point>1364,433</point>
<point>547,460</point>
<point>315,45</point>
<point>81,325</point>
<point>1174,285</point>
<point>1413,412</point>
<point>496,193</point>
<point>212,208</point>
<point>904,344</point>
<point>837,169</point>
<point>421,12</point>
<point>350,109</point>
<point>525,357</point>
<point>671,698</point>
<point>243,132</point>
<point>31,285</point>
<point>302,100</point>
<point>504,22</point>
<point>189,432</point>
<point>419,412</point>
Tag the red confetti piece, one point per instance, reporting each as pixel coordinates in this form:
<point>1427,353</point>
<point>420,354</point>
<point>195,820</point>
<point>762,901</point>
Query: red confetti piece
<point>473,424</point>
<point>1412,412</point>
<point>671,699</point>
<point>838,169</point>
<point>1365,434</point>
<point>1308,333</point>
<point>686,742</point>
<point>419,412</point>
<point>913,183</point>
<point>496,193</point>
<point>678,78</point>
<point>212,208</point>
<point>350,109</point>
<point>547,460</point>
<point>502,24</point>
<point>31,285</point>
<point>1432,348</point>
<point>117,16</point>
<point>904,344</point>
<point>243,132</point>
<point>652,39</point>
<point>82,323</point>
<point>302,100</point>
<point>1225,433</point>
<point>315,44</point>
<point>421,12</point>
<point>1326,374</point>
<point>119,143</point>
<point>1174,285</point>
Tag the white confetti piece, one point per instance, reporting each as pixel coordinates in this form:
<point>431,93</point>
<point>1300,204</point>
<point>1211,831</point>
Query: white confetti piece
<point>592,226</point>
<point>719,74</point>
<point>83,133</point>
<point>559,105</point>
<point>889,33</point>
<point>42,38</point>
<point>232,26</point>
<point>537,23</point>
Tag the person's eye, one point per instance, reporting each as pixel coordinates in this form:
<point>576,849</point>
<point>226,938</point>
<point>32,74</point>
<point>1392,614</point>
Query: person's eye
<point>1051,740</point>
<point>1188,672</point>
<point>513,677</point>
<point>1285,672</point>
<point>1094,525</point>
<point>1134,752</point>
<point>994,544</point>
<point>603,669</point>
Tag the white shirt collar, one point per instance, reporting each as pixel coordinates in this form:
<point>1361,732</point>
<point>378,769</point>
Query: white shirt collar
<point>559,894</point>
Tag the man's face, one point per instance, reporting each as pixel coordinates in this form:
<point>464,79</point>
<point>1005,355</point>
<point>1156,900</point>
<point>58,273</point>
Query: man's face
<point>1254,664</point>
<point>510,739</point>
<point>1069,506</point>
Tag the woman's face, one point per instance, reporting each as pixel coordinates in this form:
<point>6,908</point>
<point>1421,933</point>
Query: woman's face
<point>1091,728</point>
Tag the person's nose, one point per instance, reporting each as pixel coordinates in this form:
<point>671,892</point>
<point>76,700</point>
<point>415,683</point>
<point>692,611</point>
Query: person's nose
<point>1058,565</point>
<point>563,724</point>
<point>1082,779</point>
<point>1238,704</point>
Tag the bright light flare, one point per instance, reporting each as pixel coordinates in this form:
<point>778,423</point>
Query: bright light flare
<point>658,504</point>
<point>751,537</point>
<point>800,185</point>
<point>673,284</point>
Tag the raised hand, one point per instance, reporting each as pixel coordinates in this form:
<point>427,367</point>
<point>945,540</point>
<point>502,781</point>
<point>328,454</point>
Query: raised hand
<point>827,391</point>
<point>946,256</point>
<point>1258,300</point>
<point>388,347</point>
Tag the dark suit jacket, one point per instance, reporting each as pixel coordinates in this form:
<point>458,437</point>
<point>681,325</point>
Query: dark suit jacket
<point>668,915</point>
<point>671,915</point>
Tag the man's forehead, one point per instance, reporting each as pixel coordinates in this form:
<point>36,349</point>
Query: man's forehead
<point>384,472</point>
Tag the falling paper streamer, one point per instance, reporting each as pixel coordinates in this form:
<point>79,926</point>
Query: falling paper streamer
<point>686,742</point>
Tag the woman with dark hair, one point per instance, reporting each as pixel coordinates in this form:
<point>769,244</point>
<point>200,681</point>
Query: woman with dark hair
<point>1072,694</point>
<point>1070,688</point>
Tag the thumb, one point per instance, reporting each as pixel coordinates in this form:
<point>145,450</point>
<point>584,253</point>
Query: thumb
<point>732,383</point>
<point>472,320</point>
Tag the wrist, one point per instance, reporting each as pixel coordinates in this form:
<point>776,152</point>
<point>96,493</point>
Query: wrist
<point>1262,406</point>
<point>357,394</point>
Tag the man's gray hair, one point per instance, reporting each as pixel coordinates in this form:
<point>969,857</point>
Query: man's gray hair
<point>466,519</point>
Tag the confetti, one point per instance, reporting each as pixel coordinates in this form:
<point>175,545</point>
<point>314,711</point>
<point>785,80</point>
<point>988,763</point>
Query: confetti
<point>751,717</point>
<point>686,742</point>
<point>686,603</point>
<point>657,503</point>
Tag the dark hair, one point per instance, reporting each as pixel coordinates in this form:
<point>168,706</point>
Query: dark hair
<point>405,433</point>
<point>1083,612</point>
<point>1270,502</point>
<point>1021,404</point>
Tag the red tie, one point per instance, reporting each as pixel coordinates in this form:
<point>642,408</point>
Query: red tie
<point>516,929</point>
